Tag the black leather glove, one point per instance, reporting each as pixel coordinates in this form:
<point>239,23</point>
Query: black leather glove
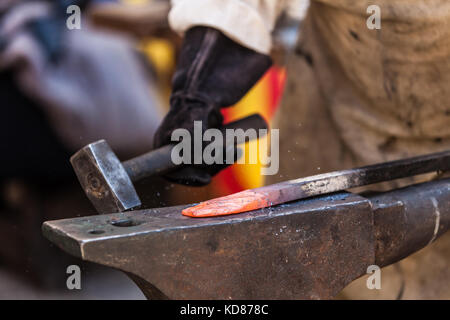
<point>212,72</point>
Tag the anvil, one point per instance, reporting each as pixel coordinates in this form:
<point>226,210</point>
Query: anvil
<point>304,249</point>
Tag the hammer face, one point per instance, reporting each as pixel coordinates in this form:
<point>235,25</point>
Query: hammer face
<point>104,179</point>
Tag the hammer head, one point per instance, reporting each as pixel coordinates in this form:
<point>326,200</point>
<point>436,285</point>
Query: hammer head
<point>104,179</point>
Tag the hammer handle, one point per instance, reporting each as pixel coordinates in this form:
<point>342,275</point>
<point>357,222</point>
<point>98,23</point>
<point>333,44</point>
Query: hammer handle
<point>159,161</point>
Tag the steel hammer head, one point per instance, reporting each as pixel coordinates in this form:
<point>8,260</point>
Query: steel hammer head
<point>104,179</point>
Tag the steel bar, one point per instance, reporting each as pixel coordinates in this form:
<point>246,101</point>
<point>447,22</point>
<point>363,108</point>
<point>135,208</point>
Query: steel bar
<point>320,184</point>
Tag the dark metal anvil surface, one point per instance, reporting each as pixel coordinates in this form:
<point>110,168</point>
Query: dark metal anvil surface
<point>308,249</point>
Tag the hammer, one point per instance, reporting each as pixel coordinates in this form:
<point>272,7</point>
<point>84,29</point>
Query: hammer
<point>108,182</point>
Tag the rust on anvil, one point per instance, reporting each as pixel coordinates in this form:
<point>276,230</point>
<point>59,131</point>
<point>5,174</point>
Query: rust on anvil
<point>307,249</point>
<point>320,184</point>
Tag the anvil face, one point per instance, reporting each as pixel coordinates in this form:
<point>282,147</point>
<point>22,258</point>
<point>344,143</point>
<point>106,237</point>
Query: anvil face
<point>307,249</point>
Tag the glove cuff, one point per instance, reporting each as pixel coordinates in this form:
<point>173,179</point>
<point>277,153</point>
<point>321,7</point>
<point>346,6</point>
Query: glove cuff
<point>215,69</point>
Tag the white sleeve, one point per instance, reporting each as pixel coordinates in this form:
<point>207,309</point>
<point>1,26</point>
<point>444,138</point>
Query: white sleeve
<point>248,22</point>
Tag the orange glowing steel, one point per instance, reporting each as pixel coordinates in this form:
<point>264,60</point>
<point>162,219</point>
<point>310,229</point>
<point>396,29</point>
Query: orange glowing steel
<point>235,203</point>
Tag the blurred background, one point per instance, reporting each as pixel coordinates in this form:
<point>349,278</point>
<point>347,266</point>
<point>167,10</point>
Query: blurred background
<point>61,89</point>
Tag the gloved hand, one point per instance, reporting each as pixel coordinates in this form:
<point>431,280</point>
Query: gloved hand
<point>213,72</point>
